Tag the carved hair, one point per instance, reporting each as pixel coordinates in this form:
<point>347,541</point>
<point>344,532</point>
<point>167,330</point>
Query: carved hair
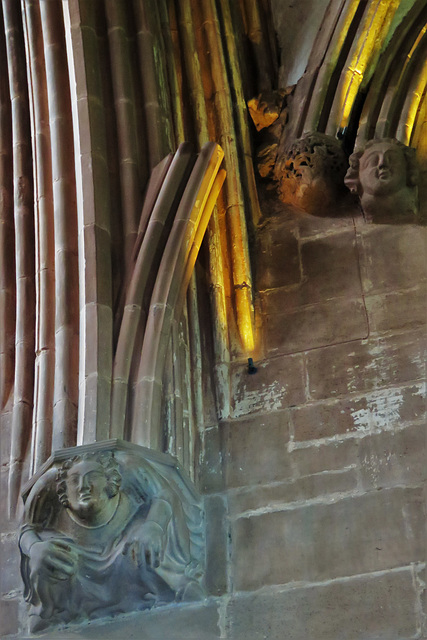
<point>352,180</point>
<point>318,151</point>
<point>106,460</point>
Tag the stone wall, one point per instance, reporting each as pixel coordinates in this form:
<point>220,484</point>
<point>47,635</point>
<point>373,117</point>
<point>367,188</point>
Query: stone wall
<point>315,486</point>
<point>323,460</point>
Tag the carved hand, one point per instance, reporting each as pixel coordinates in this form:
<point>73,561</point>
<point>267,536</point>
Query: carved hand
<point>54,559</point>
<point>149,544</point>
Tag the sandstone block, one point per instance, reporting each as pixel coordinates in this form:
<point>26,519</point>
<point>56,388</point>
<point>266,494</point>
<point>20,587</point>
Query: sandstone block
<point>255,450</point>
<point>96,198</point>
<point>183,622</point>
<point>98,268</point>
<point>366,365</point>
<point>301,489</point>
<point>278,257</point>
<point>381,410</point>
<point>6,428</point>
<point>330,268</point>
<point>310,227</point>
<point>96,393</point>
<point>98,353</point>
<point>390,459</point>
<point>10,576</point>
<point>393,257</point>
<point>91,50</point>
<point>9,612</point>
<point>421,578</point>
<point>277,384</point>
<point>8,526</point>
<point>320,457</point>
<point>210,472</point>
<point>313,326</point>
<point>373,532</point>
<point>379,607</point>
<point>92,116</point>
<point>216,546</point>
<point>405,309</point>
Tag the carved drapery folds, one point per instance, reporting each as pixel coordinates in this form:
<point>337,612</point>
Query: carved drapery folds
<point>385,177</point>
<point>109,528</point>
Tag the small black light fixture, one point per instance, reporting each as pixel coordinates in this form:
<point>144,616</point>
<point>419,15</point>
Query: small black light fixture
<point>251,367</point>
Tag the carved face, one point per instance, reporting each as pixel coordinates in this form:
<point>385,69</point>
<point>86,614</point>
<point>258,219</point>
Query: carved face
<point>383,169</point>
<point>87,487</point>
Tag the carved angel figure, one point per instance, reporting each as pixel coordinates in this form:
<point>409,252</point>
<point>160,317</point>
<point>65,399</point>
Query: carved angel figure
<point>103,535</point>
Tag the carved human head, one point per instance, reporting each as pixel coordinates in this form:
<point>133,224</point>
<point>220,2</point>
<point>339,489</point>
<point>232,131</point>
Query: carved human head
<point>311,174</point>
<point>385,176</point>
<point>87,481</point>
<point>383,167</point>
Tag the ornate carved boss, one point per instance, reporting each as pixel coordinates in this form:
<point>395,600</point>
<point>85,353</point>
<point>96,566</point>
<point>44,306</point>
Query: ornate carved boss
<point>109,528</point>
<point>310,175</point>
<point>385,176</point>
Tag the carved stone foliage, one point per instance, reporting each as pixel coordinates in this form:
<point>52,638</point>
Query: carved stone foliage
<point>311,173</point>
<point>269,113</point>
<point>385,177</point>
<point>109,528</point>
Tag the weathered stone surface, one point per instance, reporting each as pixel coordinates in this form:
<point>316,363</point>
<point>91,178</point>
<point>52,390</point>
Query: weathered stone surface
<point>366,365</point>
<point>299,490</point>
<point>91,111</point>
<point>179,622</point>
<point>421,581</point>
<point>99,318</point>
<point>326,419</point>
<point>8,525</point>
<point>389,459</point>
<point>9,612</point>
<point>377,607</point>
<point>392,257</point>
<point>310,227</point>
<point>277,384</point>
<point>210,471</point>
<point>390,311</point>
<point>317,457</point>
<point>379,410</point>
<point>10,576</point>
<point>216,546</point>
<point>6,429</point>
<point>278,257</point>
<point>330,268</point>
<point>98,284</point>
<point>376,531</point>
<point>246,462</point>
<point>312,326</point>
<point>322,280</point>
<point>295,22</point>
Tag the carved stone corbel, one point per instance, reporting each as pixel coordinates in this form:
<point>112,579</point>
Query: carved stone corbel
<point>310,175</point>
<point>109,528</point>
<point>385,177</point>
